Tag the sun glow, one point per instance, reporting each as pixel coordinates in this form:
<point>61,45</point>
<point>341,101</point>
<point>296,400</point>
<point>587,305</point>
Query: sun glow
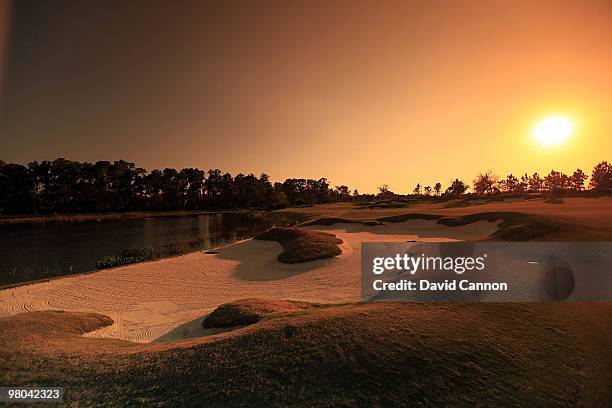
<point>553,130</point>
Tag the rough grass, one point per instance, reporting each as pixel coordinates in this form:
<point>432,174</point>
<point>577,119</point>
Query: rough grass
<point>391,355</point>
<point>135,255</point>
<point>375,221</point>
<point>327,221</point>
<point>302,245</point>
<point>457,204</point>
<point>86,217</point>
<point>382,204</point>
<point>581,218</point>
<point>249,311</point>
<point>514,226</point>
<point>409,216</point>
<point>282,218</point>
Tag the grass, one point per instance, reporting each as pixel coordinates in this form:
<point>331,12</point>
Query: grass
<point>383,354</point>
<point>302,245</point>
<point>580,218</point>
<point>86,217</point>
<point>514,226</point>
<point>327,221</point>
<point>409,216</point>
<point>377,221</point>
<point>135,255</point>
<point>283,217</point>
<point>249,311</point>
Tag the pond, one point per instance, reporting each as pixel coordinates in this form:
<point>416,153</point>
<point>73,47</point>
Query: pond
<point>41,250</point>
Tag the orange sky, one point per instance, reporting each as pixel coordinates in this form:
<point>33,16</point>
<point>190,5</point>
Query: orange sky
<point>362,93</point>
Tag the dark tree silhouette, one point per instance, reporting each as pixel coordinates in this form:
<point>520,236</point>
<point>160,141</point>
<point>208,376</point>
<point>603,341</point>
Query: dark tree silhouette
<point>601,178</point>
<point>417,189</point>
<point>536,183</point>
<point>456,189</point>
<point>577,180</point>
<point>556,182</point>
<point>524,183</point>
<point>342,193</point>
<point>510,184</point>
<point>385,192</point>
<point>486,183</point>
<point>65,186</point>
<point>17,187</point>
<point>438,188</point>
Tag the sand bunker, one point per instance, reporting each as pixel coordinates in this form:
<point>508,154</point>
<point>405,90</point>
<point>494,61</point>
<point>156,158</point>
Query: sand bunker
<point>150,300</point>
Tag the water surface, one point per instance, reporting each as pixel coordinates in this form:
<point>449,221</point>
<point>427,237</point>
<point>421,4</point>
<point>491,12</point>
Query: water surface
<point>40,250</point>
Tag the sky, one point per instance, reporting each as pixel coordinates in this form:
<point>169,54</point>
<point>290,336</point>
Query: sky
<point>363,93</point>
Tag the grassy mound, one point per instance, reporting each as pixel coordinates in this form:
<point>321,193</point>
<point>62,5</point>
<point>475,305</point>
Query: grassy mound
<point>385,204</point>
<point>471,354</point>
<point>335,220</point>
<point>376,221</point>
<point>302,245</point>
<point>457,204</point>
<point>249,311</point>
<point>389,205</point>
<point>327,221</point>
<point>408,217</point>
<point>371,223</point>
<point>54,323</point>
<point>514,226</point>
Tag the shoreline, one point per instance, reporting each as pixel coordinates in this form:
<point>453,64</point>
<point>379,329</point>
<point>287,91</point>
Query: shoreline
<point>150,299</point>
<point>281,218</point>
<point>89,217</point>
<point>52,278</point>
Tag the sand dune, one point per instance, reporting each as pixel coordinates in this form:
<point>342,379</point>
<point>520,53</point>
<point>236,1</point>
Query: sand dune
<point>151,299</point>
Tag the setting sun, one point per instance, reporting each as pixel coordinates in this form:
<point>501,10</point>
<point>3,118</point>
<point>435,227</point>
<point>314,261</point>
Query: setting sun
<point>553,130</point>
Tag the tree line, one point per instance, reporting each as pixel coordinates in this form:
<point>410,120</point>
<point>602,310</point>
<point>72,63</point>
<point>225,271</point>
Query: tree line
<point>555,182</point>
<point>68,186</point>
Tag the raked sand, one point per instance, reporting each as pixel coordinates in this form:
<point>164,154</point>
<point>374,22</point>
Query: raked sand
<point>152,299</point>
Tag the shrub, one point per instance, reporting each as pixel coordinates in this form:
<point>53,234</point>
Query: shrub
<point>302,245</point>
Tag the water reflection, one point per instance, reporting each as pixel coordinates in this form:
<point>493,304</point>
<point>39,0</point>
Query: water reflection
<point>33,251</point>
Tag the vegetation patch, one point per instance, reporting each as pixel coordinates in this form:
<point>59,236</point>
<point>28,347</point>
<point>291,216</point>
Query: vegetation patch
<point>135,255</point>
<point>382,354</point>
<point>514,226</point>
<point>302,245</point>
<point>389,205</point>
<point>249,311</point>
<point>410,216</point>
<point>371,223</point>
<point>457,204</point>
<point>385,204</point>
<point>327,221</point>
<point>282,218</point>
